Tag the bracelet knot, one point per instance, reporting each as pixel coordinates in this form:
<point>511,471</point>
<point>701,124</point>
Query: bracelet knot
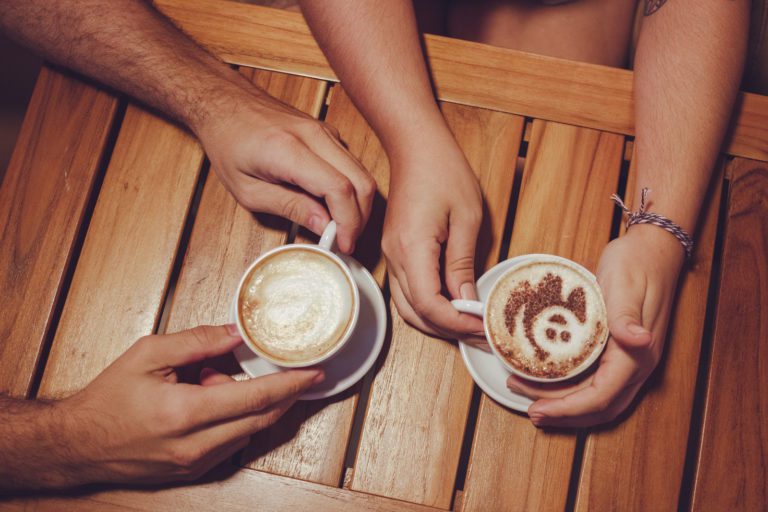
<point>642,216</point>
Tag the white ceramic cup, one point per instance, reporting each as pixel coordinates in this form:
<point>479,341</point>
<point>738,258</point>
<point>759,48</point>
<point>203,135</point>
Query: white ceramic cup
<point>479,308</point>
<point>324,247</point>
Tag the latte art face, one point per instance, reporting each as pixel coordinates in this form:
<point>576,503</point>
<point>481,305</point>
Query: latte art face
<point>546,318</point>
<point>296,305</point>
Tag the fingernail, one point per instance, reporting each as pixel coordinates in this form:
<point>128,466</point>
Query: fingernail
<point>636,329</point>
<point>232,330</point>
<point>320,377</point>
<point>468,291</point>
<point>206,372</point>
<point>316,224</point>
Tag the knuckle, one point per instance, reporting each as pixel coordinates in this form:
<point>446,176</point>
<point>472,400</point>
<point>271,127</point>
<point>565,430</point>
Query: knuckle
<point>185,457</point>
<point>368,186</point>
<point>255,401</point>
<point>332,130</point>
<point>282,139</point>
<point>344,187</point>
<point>144,344</point>
<point>292,208</point>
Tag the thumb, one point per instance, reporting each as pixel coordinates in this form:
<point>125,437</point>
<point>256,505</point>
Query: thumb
<point>190,346</point>
<point>460,259</point>
<point>624,305</point>
<point>293,205</point>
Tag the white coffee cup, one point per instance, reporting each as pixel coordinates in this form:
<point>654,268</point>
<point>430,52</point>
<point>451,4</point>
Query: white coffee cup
<point>324,248</point>
<point>480,309</point>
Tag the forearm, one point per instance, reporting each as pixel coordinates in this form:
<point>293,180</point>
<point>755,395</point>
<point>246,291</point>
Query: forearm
<point>35,452</point>
<point>688,66</point>
<point>130,47</point>
<point>374,48</point>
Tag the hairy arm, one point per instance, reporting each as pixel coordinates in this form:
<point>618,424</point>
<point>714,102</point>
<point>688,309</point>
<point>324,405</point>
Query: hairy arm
<point>33,451</point>
<point>434,198</point>
<point>130,47</point>
<point>260,148</point>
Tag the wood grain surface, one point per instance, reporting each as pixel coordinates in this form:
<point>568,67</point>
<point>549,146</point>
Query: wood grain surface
<point>411,439</point>
<point>42,204</point>
<point>731,473</point>
<point>564,209</point>
<point>121,278</point>
<point>244,491</point>
<point>637,464</point>
<point>464,72</point>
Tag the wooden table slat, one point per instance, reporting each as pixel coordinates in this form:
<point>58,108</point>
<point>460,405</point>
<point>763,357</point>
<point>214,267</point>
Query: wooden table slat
<point>43,199</point>
<point>638,463</point>
<point>732,465</point>
<point>244,491</point>
<point>411,438</point>
<point>569,176</point>
<point>464,72</point>
<point>121,278</point>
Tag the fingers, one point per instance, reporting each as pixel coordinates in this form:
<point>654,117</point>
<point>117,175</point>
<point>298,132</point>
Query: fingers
<point>422,271</point>
<point>537,390</point>
<point>211,377</point>
<point>305,169</point>
<point>230,431</point>
<point>332,151</point>
<point>624,304</point>
<point>295,205</point>
<point>186,347</point>
<point>460,257</point>
<point>234,399</point>
<point>406,311</point>
<point>610,390</point>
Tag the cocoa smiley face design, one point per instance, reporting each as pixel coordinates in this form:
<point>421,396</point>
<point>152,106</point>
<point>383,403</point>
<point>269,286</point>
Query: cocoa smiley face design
<point>546,319</point>
<point>542,312</point>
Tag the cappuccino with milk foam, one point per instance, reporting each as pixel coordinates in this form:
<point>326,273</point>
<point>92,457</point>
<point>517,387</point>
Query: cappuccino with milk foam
<point>546,318</point>
<point>296,305</point>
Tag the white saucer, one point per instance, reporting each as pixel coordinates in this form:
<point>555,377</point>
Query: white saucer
<point>353,361</point>
<point>486,370</point>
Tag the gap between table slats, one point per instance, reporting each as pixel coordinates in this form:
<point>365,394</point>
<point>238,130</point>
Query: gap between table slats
<point>121,277</point>
<point>414,422</point>
<point>637,463</point>
<point>44,201</point>
<point>569,175</point>
<point>733,455</point>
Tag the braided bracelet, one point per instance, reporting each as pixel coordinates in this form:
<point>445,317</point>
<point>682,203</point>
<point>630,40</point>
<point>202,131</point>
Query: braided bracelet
<point>643,217</point>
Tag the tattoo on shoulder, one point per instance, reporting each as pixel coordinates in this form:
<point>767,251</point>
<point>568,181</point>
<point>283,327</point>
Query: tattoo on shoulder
<point>651,6</point>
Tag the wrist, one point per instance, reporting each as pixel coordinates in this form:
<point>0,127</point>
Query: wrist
<point>659,243</point>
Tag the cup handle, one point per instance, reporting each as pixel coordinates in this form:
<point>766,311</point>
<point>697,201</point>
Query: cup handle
<point>329,236</point>
<point>473,307</point>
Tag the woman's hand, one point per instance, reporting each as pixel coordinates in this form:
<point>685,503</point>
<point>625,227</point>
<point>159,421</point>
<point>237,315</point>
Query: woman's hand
<point>638,274</point>
<point>435,204</point>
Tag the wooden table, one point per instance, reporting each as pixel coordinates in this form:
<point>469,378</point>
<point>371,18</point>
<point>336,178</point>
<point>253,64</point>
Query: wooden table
<point>107,207</point>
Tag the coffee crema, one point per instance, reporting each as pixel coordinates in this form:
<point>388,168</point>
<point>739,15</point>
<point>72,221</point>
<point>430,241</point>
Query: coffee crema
<point>296,305</point>
<point>545,318</point>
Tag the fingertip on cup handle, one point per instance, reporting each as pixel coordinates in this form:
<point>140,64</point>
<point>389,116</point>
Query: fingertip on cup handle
<point>328,237</point>
<point>472,307</point>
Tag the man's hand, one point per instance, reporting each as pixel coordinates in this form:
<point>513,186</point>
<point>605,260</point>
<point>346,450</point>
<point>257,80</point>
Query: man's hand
<point>277,160</point>
<point>638,275</point>
<point>137,423</point>
<point>436,200</point>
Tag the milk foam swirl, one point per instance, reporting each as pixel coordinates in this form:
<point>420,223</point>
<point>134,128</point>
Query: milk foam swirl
<point>546,318</point>
<point>296,305</point>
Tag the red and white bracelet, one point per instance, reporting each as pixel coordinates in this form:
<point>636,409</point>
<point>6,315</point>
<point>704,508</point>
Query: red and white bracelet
<point>643,217</point>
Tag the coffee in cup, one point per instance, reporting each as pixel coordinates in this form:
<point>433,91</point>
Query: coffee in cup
<point>297,305</point>
<point>544,318</point>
